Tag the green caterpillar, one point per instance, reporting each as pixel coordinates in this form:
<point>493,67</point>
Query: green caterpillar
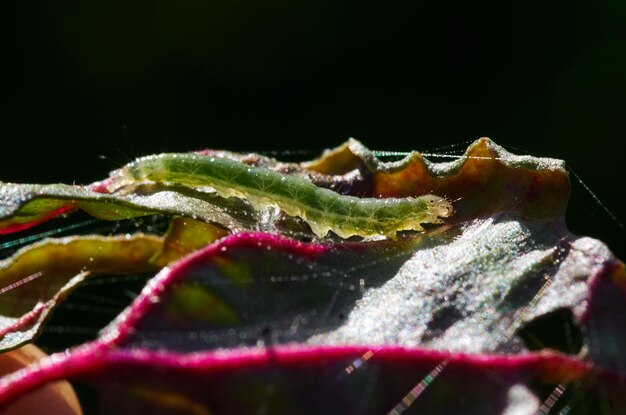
<point>321,208</point>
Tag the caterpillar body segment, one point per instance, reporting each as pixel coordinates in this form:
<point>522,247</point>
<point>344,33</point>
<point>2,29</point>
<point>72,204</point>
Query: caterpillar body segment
<point>321,208</point>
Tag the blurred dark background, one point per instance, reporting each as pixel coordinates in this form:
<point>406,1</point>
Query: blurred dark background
<point>121,79</point>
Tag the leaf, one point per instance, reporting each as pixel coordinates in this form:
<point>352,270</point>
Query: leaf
<point>427,322</point>
<point>24,206</point>
<point>37,278</point>
<point>352,380</point>
<point>141,350</point>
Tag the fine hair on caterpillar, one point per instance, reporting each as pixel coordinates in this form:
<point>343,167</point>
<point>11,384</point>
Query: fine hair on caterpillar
<point>323,209</point>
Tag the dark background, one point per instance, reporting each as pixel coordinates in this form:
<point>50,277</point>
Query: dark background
<point>121,79</point>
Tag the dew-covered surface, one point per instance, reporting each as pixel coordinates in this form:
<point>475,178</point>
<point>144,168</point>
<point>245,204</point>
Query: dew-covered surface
<point>500,310</point>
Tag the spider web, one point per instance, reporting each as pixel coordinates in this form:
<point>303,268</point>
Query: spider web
<point>99,300</point>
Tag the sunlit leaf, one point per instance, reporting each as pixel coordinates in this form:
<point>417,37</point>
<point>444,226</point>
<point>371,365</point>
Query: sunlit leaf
<point>443,321</point>
<point>37,278</point>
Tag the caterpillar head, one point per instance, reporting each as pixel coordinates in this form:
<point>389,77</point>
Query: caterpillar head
<point>438,206</point>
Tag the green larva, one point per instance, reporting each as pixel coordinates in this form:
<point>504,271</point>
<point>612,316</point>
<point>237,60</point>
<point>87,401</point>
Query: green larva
<point>321,208</point>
